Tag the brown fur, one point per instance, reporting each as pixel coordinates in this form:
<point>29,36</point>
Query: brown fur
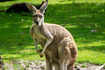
<point>62,39</point>
<point>58,44</point>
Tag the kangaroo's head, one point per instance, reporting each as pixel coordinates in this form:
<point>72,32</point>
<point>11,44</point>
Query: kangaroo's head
<point>38,14</point>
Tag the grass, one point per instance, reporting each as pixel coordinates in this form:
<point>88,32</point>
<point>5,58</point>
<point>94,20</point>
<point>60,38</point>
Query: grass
<point>85,20</point>
<point>14,37</point>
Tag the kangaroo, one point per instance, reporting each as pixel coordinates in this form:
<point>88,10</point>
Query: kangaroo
<point>58,45</point>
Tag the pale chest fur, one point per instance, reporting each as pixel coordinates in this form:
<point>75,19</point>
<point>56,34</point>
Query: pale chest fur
<point>36,34</point>
<point>57,31</point>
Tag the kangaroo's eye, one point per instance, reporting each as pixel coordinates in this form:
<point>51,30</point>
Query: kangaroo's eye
<point>40,16</point>
<point>34,16</point>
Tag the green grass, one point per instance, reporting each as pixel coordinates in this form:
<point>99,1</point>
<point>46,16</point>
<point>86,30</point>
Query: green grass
<point>15,39</point>
<point>80,18</point>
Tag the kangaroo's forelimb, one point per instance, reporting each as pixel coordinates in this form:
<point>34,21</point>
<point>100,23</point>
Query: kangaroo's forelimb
<point>48,42</point>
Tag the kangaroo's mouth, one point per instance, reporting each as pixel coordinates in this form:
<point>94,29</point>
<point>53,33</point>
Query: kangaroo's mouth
<point>36,22</point>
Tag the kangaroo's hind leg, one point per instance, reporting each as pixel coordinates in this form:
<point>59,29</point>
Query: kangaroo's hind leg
<point>62,58</point>
<point>65,66</point>
<point>56,66</point>
<point>73,56</point>
<point>48,64</point>
<point>70,67</point>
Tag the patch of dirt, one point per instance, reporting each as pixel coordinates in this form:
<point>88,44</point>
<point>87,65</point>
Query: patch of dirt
<point>40,65</point>
<point>88,66</point>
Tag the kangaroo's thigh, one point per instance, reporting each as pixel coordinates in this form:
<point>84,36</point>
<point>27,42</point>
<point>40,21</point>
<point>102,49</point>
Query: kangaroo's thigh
<point>73,50</point>
<point>72,59</point>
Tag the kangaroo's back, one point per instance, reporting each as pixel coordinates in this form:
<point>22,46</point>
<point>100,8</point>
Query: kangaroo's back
<point>58,31</point>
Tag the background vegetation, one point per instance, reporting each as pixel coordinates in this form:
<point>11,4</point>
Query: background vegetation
<point>85,19</point>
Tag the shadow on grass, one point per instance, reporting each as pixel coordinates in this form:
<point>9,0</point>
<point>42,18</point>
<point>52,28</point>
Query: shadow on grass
<point>5,0</point>
<point>80,19</point>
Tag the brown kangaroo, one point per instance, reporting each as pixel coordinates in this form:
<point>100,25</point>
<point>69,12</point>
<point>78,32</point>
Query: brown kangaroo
<point>58,44</point>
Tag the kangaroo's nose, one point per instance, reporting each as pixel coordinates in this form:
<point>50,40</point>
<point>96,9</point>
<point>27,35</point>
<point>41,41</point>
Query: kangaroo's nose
<point>36,22</point>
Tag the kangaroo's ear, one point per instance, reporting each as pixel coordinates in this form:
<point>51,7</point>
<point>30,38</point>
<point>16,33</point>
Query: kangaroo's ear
<point>31,7</point>
<point>44,5</point>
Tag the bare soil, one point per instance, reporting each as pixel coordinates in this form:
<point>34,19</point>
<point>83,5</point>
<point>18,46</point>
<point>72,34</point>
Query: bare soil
<point>40,65</point>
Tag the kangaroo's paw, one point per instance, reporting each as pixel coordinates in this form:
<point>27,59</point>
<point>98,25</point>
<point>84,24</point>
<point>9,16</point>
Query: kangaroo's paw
<point>41,54</point>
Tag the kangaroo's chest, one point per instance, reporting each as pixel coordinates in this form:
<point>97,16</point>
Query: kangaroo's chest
<point>37,35</point>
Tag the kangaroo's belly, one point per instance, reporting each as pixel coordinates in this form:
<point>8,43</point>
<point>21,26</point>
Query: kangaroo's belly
<point>52,54</point>
<point>55,57</point>
<point>64,54</point>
